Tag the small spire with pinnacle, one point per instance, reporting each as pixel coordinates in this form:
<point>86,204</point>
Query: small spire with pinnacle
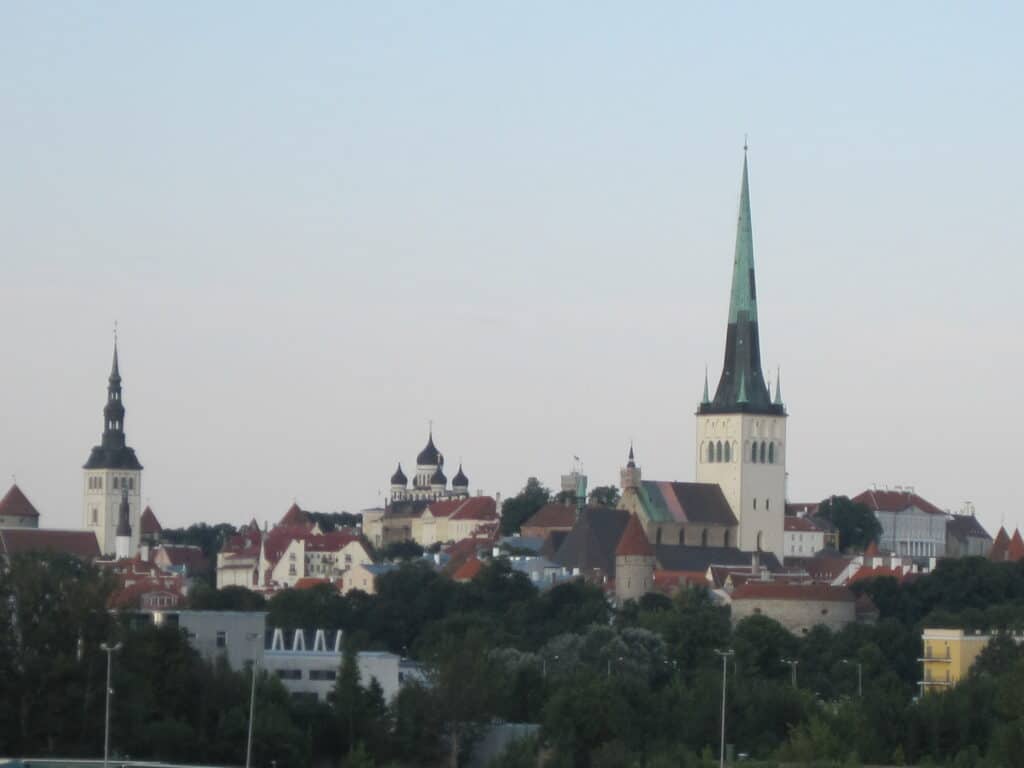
<point>706,399</point>
<point>778,386</point>
<point>631,463</point>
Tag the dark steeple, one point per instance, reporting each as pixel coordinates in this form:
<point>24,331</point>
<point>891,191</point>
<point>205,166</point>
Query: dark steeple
<point>742,388</point>
<point>113,452</point>
<point>124,526</point>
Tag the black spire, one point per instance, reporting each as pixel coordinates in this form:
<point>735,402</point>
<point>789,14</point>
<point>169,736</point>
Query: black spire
<point>742,386</point>
<point>113,452</point>
<point>632,460</point>
<point>124,526</point>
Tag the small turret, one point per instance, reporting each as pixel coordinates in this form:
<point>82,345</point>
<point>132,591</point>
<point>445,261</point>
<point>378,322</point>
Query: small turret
<point>629,477</point>
<point>634,563</point>
<point>460,483</point>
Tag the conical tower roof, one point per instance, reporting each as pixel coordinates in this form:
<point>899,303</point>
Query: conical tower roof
<point>1000,546</point>
<point>742,386</point>
<point>634,542</point>
<point>16,504</point>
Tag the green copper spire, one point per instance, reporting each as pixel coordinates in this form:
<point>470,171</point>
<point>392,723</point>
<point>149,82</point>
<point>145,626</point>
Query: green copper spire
<point>704,400</point>
<point>743,299</point>
<point>742,387</point>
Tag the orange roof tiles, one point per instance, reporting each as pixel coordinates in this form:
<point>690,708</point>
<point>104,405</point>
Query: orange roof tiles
<point>770,590</point>
<point>895,501</point>
<point>634,542</point>
<point>1016,549</point>
<point>1000,546</point>
<point>468,570</point>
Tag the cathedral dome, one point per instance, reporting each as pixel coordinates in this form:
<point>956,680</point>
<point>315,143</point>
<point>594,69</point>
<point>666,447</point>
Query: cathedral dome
<point>438,478</point>
<point>460,480</point>
<point>430,456</point>
<point>399,477</point>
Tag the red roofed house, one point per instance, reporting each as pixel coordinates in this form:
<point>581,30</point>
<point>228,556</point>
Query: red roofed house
<point>911,526</point>
<point>188,560</point>
<point>797,607</point>
<point>16,511</point>
<point>634,562</point>
<point>294,549</point>
<point>150,531</point>
<point>468,570</point>
<point>16,541</point>
<point>806,536</point>
<point>551,517</point>
<point>143,585</point>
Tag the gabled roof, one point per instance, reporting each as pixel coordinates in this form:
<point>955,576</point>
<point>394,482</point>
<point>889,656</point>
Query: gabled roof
<point>895,501</point>
<point>553,515</point>
<point>16,504</point>
<point>697,503</point>
<point>294,516</point>
<point>634,542</point>
<point>187,555</point>
<point>592,541</point>
<point>473,508</point>
<point>772,590</point>
<point>148,524</point>
<point>964,526</point>
<point>83,544</point>
<point>682,557</point>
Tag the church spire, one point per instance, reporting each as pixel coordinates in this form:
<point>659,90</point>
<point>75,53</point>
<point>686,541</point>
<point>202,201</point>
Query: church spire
<point>113,451</point>
<point>742,387</point>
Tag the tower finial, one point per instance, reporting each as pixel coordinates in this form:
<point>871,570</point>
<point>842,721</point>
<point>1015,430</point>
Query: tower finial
<point>744,143</point>
<point>705,400</point>
<point>632,459</point>
<point>778,386</point>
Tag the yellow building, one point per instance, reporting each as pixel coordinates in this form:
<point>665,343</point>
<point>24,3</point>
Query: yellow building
<point>949,655</point>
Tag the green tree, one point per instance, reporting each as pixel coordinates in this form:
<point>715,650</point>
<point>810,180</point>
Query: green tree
<point>605,496</point>
<point>517,509</point>
<point>856,523</point>
<point>347,698</point>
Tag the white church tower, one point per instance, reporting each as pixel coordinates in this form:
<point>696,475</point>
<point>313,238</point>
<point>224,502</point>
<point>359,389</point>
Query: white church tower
<point>741,433</point>
<point>112,475</point>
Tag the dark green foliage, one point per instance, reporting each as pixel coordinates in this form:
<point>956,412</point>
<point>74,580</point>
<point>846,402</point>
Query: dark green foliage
<point>605,496</point>
<point>401,550</point>
<point>332,521</point>
<point>205,598</point>
<point>209,538</point>
<point>517,509</point>
<point>856,523</point>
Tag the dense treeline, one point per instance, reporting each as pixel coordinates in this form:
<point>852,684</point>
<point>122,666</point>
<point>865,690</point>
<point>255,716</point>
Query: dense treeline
<point>640,686</point>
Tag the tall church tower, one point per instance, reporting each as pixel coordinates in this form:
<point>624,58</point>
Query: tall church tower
<point>741,433</point>
<point>112,474</point>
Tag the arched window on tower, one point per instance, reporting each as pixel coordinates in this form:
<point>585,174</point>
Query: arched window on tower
<point>657,537</point>
<point>682,536</point>
<point>759,536</point>
<point>711,452</point>
<point>728,453</point>
<point>753,452</point>
<point>718,451</point>
<point>704,537</point>
<point>771,453</point>
<point>763,453</point>
<point>725,538</point>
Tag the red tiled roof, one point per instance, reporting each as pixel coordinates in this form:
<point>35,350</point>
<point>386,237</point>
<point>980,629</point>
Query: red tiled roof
<point>308,582</point>
<point>131,596</point>
<point>770,590</point>
<point>802,524</point>
<point>1016,549</point>
<point>1000,546</point>
<point>187,555</point>
<point>468,570</point>
<point>294,516</point>
<point>669,581</point>
<point>16,504</point>
<point>148,524</point>
<point>820,568</point>
<point>876,572</point>
<point>477,508</point>
<point>552,516</point>
<point>82,544</point>
<point>634,542</point>
<point>895,501</point>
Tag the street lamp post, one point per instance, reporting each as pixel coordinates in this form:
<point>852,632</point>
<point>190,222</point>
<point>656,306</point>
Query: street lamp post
<point>251,636</point>
<point>792,668</point>
<point>110,651</point>
<point>725,659</point>
<point>860,675</point>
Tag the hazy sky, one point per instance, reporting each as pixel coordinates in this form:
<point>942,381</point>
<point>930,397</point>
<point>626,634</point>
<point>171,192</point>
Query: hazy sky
<point>320,226</point>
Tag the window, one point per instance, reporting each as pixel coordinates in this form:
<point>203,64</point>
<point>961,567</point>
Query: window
<point>682,538</point>
<point>289,674</point>
<point>771,453</point>
<point>759,537</point>
<point>767,503</point>
<point>115,483</point>
<point>95,516</point>
<point>657,538</point>
<point>753,452</point>
<point>755,503</point>
<point>704,537</point>
<point>131,483</point>
<point>725,539</point>
<point>711,451</point>
<point>291,570</point>
<point>728,453</point>
<point>718,451</point>
<point>222,638</point>
<point>763,457</point>
<point>322,674</point>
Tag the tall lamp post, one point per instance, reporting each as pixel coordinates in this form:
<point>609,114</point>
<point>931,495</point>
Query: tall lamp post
<point>110,651</point>
<point>792,668</point>
<point>252,703</point>
<point>860,675</point>
<point>725,660</point>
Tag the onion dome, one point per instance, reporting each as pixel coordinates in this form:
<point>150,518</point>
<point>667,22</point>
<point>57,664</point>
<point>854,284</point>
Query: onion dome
<point>460,480</point>
<point>438,478</point>
<point>430,456</point>
<point>399,477</point>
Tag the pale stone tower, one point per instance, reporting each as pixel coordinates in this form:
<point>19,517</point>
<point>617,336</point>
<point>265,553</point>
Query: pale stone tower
<point>112,474</point>
<point>741,433</point>
<point>634,563</point>
<point>123,544</point>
